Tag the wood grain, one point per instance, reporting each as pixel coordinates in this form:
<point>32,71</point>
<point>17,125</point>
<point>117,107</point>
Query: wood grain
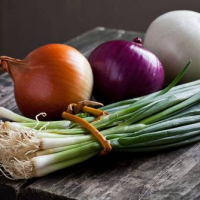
<point>91,39</point>
<point>8,189</point>
<point>169,175</point>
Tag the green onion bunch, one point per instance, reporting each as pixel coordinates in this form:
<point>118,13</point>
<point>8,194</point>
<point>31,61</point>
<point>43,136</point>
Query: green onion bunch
<point>166,119</point>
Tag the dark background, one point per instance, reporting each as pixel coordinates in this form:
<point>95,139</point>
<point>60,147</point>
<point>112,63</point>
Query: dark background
<point>27,24</point>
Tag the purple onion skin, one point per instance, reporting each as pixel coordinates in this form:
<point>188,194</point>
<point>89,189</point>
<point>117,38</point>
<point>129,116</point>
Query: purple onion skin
<point>123,70</point>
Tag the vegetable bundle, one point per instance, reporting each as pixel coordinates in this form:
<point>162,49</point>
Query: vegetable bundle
<point>162,120</point>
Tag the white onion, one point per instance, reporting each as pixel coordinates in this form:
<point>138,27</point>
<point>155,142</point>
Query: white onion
<point>174,38</point>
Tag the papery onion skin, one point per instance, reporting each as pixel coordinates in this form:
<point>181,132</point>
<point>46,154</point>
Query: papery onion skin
<point>174,38</point>
<point>49,79</point>
<point>124,70</point>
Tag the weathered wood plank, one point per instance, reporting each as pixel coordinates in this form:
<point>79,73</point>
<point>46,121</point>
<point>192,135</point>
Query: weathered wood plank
<point>9,189</point>
<point>91,39</point>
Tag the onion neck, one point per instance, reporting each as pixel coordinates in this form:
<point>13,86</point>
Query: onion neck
<point>138,41</point>
<point>11,65</point>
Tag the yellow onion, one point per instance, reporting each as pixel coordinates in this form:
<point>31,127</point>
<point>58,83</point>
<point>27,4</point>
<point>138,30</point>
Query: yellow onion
<point>49,79</point>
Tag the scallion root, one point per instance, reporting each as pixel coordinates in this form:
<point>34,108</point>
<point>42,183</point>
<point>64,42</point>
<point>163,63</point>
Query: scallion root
<point>18,144</point>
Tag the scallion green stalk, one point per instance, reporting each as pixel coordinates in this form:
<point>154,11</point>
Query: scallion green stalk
<point>166,119</point>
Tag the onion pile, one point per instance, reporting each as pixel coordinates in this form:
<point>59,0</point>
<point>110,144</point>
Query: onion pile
<point>123,70</point>
<point>56,75</point>
<point>48,79</point>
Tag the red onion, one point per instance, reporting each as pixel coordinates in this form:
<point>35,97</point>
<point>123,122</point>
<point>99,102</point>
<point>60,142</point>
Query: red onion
<point>124,70</point>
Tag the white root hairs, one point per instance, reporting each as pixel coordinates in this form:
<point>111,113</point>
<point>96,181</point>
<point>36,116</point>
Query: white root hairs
<point>18,169</point>
<point>18,143</point>
<point>17,147</point>
<point>2,128</point>
<point>43,114</point>
<point>6,174</point>
<point>44,126</point>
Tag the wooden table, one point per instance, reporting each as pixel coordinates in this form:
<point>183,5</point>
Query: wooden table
<point>169,175</point>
